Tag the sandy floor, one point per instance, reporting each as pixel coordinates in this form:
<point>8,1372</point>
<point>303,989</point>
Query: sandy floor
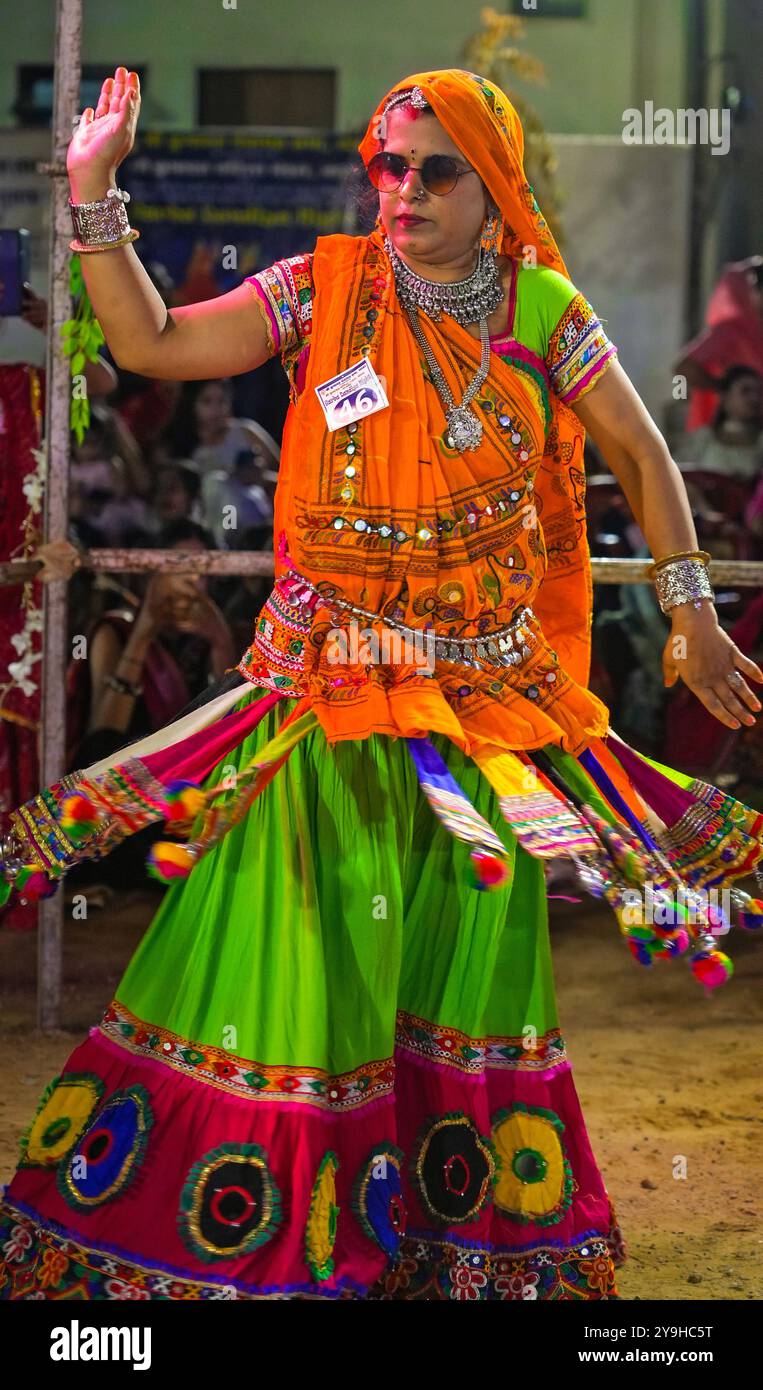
<point>664,1074</point>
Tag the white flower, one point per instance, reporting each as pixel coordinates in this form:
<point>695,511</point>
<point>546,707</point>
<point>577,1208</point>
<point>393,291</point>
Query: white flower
<point>27,688</point>
<point>32,488</point>
<point>19,673</point>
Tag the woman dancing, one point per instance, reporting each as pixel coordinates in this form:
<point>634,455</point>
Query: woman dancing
<point>333,1067</point>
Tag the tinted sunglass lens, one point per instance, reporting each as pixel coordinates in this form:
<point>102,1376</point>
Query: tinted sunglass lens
<point>439,173</point>
<point>386,171</point>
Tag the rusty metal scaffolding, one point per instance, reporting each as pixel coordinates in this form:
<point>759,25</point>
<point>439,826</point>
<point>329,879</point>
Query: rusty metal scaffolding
<point>738,574</point>
<point>66,86</point>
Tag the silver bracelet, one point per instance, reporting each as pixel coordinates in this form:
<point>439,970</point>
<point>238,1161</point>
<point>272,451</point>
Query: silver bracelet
<point>682,581</point>
<point>102,223</point>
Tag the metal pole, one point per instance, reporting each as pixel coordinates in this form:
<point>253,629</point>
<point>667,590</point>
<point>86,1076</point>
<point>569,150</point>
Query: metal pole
<point>697,89</point>
<point>742,574</point>
<point>57,443</point>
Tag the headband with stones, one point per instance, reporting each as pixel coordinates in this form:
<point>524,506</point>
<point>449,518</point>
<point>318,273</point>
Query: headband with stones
<point>412,96</point>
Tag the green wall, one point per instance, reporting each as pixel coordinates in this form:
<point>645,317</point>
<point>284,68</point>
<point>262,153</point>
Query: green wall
<point>624,52</point>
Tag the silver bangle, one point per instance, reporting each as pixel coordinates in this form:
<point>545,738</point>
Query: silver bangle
<point>682,581</point>
<point>101,222</point>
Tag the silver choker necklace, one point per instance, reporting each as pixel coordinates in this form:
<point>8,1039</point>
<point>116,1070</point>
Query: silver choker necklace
<point>467,301</point>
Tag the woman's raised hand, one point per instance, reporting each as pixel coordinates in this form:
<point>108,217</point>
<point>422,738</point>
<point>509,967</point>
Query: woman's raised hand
<point>226,335</point>
<point>104,136</point>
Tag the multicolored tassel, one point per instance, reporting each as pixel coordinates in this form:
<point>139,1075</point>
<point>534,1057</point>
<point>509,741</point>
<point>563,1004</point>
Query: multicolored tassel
<point>78,817</point>
<point>168,862</point>
<point>489,857</point>
<point>749,911</point>
<point>185,801</point>
<point>712,968</point>
<point>32,885</point>
<point>87,814</point>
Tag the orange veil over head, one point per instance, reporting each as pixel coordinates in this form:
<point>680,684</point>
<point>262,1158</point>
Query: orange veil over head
<point>481,120</point>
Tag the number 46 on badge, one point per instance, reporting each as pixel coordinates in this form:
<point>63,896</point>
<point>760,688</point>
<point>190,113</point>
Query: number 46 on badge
<point>352,395</point>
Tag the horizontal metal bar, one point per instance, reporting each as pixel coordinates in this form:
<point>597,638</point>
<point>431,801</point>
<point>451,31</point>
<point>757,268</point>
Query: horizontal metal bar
<point>743,574</point>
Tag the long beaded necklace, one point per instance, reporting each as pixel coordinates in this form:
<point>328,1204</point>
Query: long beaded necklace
<point>466,300</point>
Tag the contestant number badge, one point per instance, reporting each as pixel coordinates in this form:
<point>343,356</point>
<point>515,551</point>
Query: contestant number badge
<point>352,395</point>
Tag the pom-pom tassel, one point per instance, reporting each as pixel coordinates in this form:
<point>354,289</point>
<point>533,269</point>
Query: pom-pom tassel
<point>78,817</point>
<point>711,968</point>
<point>185,801</point>
<point>32,884</point>
<point>749,910</point>
<point>168,861</point>
<point>646,945</point>
<point>488,871</point>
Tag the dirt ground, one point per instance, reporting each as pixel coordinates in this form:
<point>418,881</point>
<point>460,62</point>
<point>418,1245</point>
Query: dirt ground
<point>663,1071</point>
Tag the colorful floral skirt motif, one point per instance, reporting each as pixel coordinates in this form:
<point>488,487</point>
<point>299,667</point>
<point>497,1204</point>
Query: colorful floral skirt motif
<point>332,1069</point>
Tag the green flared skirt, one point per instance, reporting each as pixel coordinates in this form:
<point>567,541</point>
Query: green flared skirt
<point>333,1068</point>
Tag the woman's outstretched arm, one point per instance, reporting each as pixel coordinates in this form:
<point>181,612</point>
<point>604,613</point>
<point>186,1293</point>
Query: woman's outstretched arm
<point>219,337</point>
<point>698,649</point>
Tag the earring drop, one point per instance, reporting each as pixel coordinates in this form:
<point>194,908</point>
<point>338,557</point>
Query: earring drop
<point>490,240</point>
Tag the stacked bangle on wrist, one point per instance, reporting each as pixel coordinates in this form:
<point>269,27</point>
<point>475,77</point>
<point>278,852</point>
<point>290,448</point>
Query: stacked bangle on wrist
<point>123,687</point>
<point>102,225</point>
<point>682,578</point>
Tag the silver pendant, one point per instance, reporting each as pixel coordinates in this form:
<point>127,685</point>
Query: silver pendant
<point>464,428</point>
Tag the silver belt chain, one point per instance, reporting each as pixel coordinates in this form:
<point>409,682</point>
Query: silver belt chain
<point>507,646</point>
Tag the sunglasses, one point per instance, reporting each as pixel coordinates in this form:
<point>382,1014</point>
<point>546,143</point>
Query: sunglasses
<point>439,172</point>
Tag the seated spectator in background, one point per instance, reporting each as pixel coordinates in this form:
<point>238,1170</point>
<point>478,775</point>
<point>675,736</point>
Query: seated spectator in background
<point>233,502</point>
<point>146,661</point>
<point>733,444</point>
<point>203,429</point>
<point>109,480</point>
<point>108,434</point>
<point>733,333</point>
<point>177,492</point>
<point>147,413</point>
<point>114,518</point>
<point>753,516</point>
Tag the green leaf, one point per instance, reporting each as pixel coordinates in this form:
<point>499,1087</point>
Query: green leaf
<point>78,362</point>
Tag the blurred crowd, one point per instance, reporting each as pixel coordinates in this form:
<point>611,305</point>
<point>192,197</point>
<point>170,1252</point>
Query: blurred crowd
<point>167,465</point>
<point>715,433</point>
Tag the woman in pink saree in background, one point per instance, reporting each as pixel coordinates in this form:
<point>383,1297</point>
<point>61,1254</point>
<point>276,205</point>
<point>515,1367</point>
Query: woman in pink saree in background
<point>732,336</point>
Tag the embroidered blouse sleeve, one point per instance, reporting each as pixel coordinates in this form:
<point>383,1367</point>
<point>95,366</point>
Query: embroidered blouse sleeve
<point>578,351</point>
<point>284,293</point>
